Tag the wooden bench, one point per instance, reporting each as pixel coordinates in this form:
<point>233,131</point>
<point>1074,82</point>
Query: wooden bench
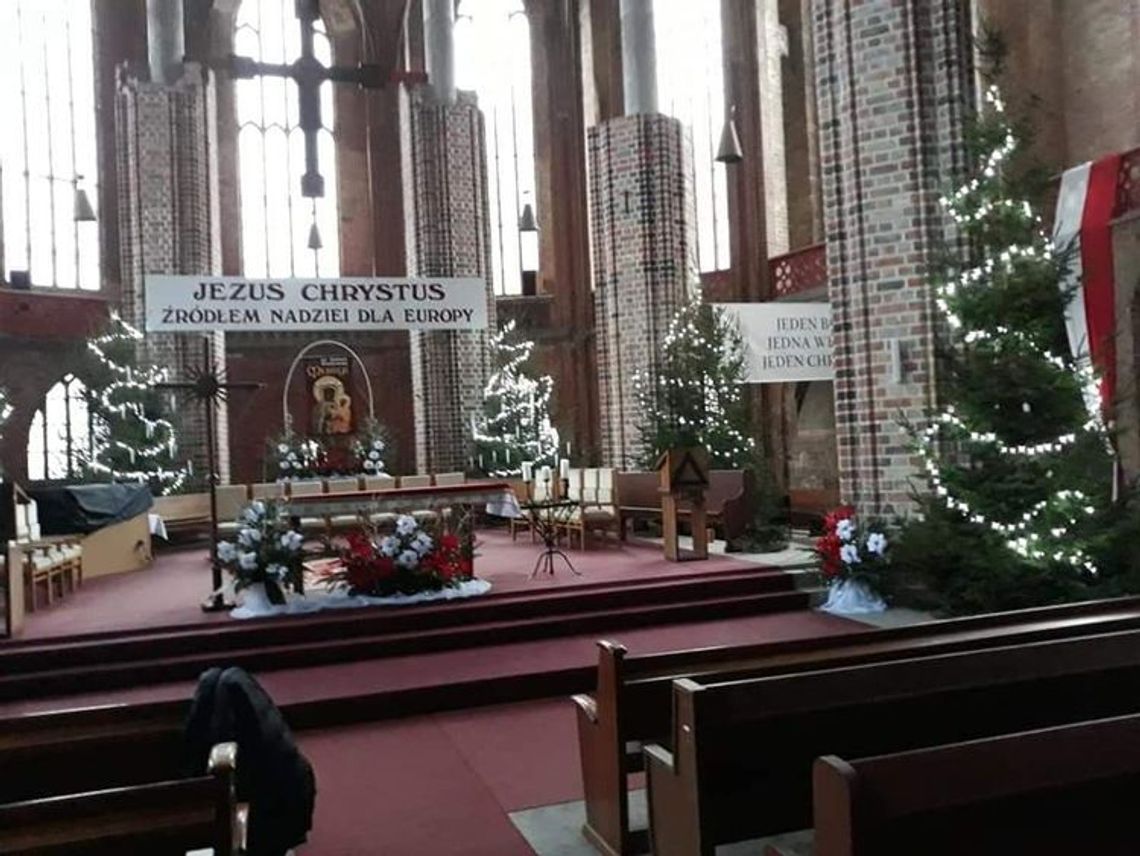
<point>730,500</point>
<point>1061,790</point>
<point>743,750</point>
<point>162,817</point>
<point>632,703</point>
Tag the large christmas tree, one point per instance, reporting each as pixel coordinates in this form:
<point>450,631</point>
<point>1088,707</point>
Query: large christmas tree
<point>1019,462</point>
<point>514,425</point>
<point>133,438</point>
<point>696,397</point>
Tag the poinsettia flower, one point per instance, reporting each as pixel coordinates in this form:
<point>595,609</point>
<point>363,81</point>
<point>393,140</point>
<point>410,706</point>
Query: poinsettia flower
<point>449,541</point>
<point>282,449</point>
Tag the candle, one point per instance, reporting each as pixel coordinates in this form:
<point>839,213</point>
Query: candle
<point>480,462</point>
<point>545,472</point>
<point>564,469</point>
<point>527,470</point>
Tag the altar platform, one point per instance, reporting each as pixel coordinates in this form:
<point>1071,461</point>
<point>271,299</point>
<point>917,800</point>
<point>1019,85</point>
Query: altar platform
<point>168,593</point>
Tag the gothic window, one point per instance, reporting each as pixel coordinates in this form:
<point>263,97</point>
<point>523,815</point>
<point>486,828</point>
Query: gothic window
<point>62,435</point>
<point>492,47</point>
<point>47,148</point>
<point>690,87</point>
<point>276,220</point>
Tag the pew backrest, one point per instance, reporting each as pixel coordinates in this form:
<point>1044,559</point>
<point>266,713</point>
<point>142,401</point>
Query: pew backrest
<point>965,797</point>
<point>743,749</point>
<point>156,817</point>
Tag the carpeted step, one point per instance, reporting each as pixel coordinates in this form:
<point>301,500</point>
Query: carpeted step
<point>157,665</point>
<point>99,649</point>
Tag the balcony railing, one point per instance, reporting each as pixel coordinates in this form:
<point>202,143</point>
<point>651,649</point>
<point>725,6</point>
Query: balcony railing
<point>1128,183</point>
<point>799,271</point>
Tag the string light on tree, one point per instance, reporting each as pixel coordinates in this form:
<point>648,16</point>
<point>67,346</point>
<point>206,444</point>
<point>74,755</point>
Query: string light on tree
<point>514,425</point>
<point>133,440</point>
<point>696,397</point>
<point>1023,451</point>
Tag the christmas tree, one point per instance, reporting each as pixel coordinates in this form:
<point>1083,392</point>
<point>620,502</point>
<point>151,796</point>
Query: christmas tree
<point>1019,462</point>
<point>133,439</point>
<point>696,397</point>
<point>515,423</point>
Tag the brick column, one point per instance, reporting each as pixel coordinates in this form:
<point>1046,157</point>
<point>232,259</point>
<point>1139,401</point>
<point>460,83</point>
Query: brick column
<point>168,223</point>
<point>892,81</point>
<point>643,236</point>
<point>448,233</point>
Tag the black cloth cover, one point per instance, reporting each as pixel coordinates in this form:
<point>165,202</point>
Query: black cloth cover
<point>83,508</point>
<point>272,775</point>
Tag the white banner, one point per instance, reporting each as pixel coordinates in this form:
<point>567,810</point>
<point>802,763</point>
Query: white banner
<point>785,341</point>
<point>186,303</point>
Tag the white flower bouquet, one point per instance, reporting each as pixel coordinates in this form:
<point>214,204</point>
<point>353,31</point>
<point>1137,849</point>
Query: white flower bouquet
<point>267,550</point>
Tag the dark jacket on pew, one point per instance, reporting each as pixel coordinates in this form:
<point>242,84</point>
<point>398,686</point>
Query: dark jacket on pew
<point>273,777</point>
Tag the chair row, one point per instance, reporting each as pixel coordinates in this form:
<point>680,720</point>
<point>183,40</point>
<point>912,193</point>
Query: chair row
<point>55,563</point>
<point>592,488</point>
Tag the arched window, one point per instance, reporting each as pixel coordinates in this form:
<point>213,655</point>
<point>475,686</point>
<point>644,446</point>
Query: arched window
<point>275,218</point>
<point>62,436</point>
<point>690,87</point>
<point>47,147</point>
<point>492,58</point>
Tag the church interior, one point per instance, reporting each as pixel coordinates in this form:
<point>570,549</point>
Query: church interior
<point>569,427</point>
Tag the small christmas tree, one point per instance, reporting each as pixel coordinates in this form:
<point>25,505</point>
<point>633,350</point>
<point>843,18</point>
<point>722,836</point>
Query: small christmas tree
<point>696,397</point>
<point>515,423</point>
<point>1019,461</point>
<point>133,439</point>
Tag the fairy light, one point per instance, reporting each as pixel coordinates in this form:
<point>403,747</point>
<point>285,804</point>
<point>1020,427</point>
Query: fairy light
<point>116,398</point>
<point>968,206</point>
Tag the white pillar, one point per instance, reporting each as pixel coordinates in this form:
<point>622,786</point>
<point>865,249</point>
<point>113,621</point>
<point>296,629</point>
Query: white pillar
<point>439,47</point>
<point>639,56</point>
<point>165,45</point>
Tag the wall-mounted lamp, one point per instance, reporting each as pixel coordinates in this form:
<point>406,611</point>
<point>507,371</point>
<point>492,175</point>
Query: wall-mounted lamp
<point>729,150</point>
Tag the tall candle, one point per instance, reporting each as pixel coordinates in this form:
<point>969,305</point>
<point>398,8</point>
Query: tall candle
<point>545,473</point>
<point>564,469</point>
<point>527,470</point>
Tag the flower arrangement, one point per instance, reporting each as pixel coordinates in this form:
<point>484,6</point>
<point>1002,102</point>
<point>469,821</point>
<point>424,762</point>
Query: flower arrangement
<point>848,553</point>
<point>407,562</point>
<point>267,550</point>
<point>295,457</point>
<point>368,448</point>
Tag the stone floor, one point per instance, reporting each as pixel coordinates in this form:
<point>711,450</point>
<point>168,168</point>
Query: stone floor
<point>555,830</point>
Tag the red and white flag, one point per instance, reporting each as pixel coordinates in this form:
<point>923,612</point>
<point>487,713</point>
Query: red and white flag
<point>1084,211</point>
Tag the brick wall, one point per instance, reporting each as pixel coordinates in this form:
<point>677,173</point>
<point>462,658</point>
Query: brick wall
<point>893,81</point>
<point>643,243</point>
<point>448,233</point>
<point>168,223</point>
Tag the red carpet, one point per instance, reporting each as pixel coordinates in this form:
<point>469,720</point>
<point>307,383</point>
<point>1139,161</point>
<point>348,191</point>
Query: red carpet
<point>169,591</point>
<point>546,655</point>
<point>440,785</point>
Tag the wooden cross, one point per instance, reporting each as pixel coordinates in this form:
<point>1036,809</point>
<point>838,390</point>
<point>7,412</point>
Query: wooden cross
<point>210,388</point>
<point>309,73</point>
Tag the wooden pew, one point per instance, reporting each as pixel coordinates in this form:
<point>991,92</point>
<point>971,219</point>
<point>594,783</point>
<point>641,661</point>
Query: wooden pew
<point>730,500</point>
<point>164,817</point>
<point>1065,790</point>
<point>743,750</point>
<point>632,703</point>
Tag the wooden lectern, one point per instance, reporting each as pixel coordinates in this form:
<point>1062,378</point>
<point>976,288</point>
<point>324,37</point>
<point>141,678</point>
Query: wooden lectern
<point>684,474</point>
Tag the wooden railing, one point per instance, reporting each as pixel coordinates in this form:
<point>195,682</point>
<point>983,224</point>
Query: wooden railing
<point>1128,183</point>
<point>798,271</point>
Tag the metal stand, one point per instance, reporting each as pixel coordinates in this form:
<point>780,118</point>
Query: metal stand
<point>546,517</point>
